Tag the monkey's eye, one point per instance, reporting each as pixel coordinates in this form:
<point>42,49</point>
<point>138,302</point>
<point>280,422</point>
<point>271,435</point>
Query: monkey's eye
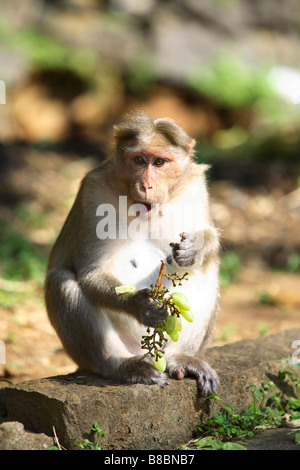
<point>139,160</point>
<point>159,162</point>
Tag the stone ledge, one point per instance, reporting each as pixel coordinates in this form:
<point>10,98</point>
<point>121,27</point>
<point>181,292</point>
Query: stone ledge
<point>13,436</point>
<point>143,417</point>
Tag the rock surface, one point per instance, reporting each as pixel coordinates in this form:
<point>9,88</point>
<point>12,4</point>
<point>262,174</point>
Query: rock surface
<point>275,439</point>
<point>138,416</point>
<point>14,437</point>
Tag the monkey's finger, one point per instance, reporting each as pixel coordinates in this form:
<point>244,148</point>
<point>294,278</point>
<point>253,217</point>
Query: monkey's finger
<point>146,291</point>
<point>160,305</point>
<point>175,246</point>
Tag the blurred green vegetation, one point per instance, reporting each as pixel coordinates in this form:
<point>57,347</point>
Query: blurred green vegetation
<point>46,52</point>
<point>229,268</point>
<point>263,329</point>
<point>20,259</point>
<point>32,218</point>
<point>258,125</point>
<point>239,147</point>
<point>141,77</point>
<point>229,83</point>
<point>292,264</point>
<point>265,298</point>
<point>10,299</point>
<point>228,332</point>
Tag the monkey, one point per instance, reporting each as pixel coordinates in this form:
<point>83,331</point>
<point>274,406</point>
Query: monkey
<point>151,171</point>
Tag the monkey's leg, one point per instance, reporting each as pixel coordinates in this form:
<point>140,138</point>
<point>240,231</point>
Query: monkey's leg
<point>183,365</point>
<point>88,335</point>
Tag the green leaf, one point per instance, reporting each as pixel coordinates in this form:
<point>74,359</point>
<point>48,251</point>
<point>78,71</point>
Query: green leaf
<point>208,442</point>
<point>233,446</point>
<point>297,438</point>
<point>215,396</point>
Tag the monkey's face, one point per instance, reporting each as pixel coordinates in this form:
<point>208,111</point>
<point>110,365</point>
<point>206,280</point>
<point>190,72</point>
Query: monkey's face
<point>150,176</point>
<point>152,158</point>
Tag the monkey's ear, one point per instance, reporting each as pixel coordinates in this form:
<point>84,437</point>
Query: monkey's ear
<point>116,139</point>
<point>190,146</point>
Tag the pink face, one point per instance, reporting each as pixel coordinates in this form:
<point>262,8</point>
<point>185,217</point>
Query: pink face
<point>147,172</point>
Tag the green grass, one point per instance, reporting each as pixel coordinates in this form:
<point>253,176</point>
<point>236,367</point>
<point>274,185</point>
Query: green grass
<point>265,298</point>
<point>229,268</point>
<point>20,260</point>
<point>269,408</point>
<point>291,265</point>
<point>86,444</point>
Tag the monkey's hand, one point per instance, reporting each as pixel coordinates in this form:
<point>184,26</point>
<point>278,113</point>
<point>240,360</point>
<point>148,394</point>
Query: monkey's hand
<point>146,310</point>
<point>184,252</point>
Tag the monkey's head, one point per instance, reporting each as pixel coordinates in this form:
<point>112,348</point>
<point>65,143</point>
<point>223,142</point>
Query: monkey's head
<point>152,157</point>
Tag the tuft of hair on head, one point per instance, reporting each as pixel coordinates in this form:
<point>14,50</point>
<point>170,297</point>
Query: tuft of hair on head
<point>174,133</point>
<point>140,124</point>
<point>132,126</point>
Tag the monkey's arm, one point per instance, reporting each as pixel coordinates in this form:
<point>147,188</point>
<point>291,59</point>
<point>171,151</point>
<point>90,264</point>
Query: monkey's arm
<point>100,289</point>
<point>196,249</point>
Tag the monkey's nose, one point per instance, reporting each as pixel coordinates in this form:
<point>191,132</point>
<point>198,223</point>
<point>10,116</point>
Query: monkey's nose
<point>146,188</point>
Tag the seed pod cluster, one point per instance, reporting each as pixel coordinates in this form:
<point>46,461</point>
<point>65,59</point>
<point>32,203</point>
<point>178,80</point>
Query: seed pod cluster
<point>160,361</point>
<point>177,306</point>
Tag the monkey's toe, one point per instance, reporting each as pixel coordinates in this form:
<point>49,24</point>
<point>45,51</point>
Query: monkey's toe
<point>207,383</point>
<point>134,370</point>
<point>156,378</point>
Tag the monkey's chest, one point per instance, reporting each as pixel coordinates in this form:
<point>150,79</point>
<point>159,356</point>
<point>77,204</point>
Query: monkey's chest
<point>137,263</point>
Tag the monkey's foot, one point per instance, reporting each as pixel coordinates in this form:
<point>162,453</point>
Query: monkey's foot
<point>134,370</point>
<point>183,366</point>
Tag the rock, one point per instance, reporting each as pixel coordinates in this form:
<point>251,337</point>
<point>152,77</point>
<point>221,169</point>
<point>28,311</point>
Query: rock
<point>274,439</point>
<point>21,15</point>
<point>179,48</point>
<point>139,416</point>
<point>189,36</point>
<point>14,67</point>
<point>115,39</point>
<point>273,15</point>
<point>14,437</point>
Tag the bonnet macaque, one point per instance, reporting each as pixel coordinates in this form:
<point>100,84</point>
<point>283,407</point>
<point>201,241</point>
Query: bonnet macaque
<point>146,203</point>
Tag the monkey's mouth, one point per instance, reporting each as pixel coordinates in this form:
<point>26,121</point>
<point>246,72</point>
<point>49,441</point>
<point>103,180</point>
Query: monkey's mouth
<point>148,205</point>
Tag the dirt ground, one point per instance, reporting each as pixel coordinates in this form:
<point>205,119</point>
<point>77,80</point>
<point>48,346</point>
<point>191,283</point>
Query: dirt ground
<point>255,222</point>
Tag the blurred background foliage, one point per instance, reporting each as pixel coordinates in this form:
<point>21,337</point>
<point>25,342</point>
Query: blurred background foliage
<point>226,70</point>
